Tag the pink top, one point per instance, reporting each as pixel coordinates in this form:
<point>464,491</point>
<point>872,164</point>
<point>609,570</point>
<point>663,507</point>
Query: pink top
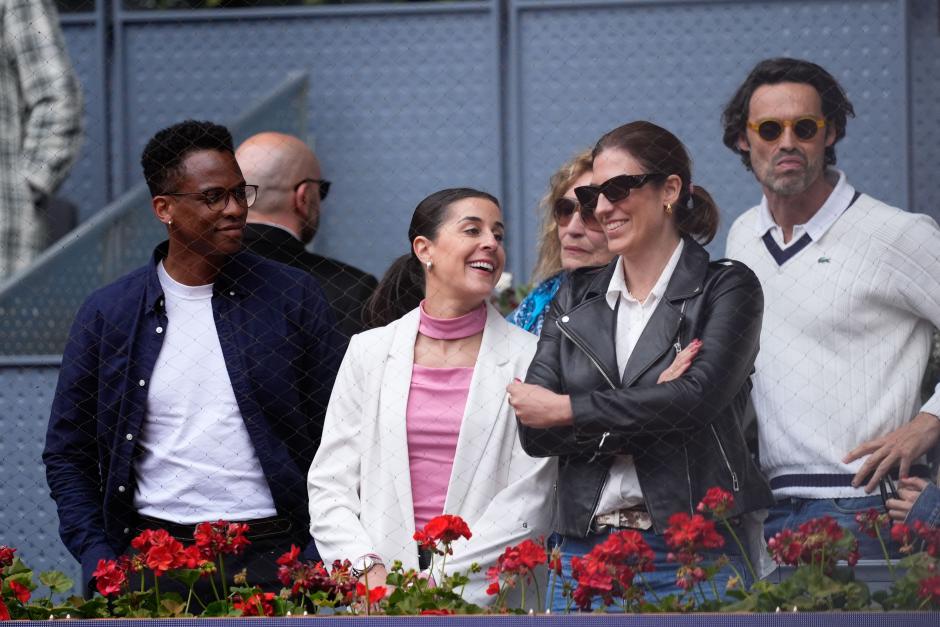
<point>436,403</point>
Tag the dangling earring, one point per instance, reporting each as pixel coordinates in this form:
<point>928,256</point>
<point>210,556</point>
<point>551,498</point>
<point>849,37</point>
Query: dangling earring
<point>668,208</point>
<point>169,222</point>
<point>428,263</point>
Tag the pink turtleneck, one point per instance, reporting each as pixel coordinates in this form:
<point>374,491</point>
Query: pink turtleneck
<point>436,403</point>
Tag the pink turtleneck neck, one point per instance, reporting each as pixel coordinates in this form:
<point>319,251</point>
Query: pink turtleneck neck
<point>452,328</point>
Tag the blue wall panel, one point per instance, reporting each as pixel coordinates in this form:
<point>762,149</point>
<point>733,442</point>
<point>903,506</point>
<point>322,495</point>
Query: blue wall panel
<point>925,110</point>
<point>400,106</point>
<point>28,519</point>
<point>86,184</point>
<point>587,70</point>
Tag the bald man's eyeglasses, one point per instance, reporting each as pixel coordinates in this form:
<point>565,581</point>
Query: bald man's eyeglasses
<point>323,184</point>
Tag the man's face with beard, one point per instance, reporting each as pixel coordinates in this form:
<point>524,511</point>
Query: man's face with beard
<point>786,166</point>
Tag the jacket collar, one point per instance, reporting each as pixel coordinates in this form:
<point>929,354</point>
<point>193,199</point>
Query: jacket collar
<point>592,324</point>
<point>234,278</point>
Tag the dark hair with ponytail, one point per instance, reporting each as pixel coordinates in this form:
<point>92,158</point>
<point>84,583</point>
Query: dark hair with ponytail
<point>402,287</point>
<point>658,150</point>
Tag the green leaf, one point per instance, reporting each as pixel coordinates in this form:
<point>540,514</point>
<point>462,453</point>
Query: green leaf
<point>188,576</point>
<point>56,581</point>
<point>217,608</point>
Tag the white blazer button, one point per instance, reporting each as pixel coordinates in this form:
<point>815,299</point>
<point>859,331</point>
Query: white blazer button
<point>141,383</point>
<point>129,436</point>
<point>159,329</point>
<point>121,488</point>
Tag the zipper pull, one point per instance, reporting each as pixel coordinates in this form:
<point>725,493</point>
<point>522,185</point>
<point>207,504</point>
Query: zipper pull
<point>678,347</point>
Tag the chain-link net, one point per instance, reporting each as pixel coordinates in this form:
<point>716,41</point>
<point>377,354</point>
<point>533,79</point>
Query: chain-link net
<point>268,364</point>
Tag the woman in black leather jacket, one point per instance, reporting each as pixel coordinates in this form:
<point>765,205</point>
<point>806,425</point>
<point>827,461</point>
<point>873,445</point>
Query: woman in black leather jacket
<point>634,450</point>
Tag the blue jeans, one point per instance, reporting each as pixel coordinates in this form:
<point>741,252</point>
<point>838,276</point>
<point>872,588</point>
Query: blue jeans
<point>660,582</point>
<point>791,512</point>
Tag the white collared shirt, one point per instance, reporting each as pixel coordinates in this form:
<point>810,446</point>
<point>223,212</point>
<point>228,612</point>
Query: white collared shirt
<point>838,201</point>
<point>622,488</point>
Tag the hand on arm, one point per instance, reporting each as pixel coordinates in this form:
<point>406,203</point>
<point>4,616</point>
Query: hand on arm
<point>900,448</point>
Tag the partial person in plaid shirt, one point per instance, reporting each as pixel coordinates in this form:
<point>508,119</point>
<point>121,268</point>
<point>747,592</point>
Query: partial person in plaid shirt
<point>40,125</point>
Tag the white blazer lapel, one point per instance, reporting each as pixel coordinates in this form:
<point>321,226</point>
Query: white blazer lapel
<point>393,403</point>
<point>486,399</point>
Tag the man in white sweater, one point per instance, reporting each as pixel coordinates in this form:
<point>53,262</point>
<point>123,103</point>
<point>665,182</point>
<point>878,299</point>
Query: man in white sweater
<point>852,295</point>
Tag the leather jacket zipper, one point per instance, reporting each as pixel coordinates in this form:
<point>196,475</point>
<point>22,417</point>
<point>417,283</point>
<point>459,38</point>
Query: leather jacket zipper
<point>597,365</point>
<point>734,477</point>
<point>586,352</point>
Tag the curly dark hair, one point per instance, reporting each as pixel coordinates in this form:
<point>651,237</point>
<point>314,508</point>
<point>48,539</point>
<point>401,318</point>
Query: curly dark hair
<point>163,156</point>
<point>835,105</point>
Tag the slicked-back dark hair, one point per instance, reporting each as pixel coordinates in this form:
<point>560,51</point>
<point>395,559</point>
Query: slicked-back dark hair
<point>835,104</point>
<point>163,155</point>
<point>402,287</point>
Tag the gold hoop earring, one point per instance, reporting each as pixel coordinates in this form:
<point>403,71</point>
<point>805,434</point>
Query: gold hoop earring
<point>668,208</point>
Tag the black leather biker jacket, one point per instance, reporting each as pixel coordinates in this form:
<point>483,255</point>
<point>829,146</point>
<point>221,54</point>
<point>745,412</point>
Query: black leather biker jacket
<point>686,435</point>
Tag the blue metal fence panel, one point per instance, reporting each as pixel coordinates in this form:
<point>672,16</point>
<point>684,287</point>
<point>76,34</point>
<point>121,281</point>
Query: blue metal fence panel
<point>86,186</point>
<point>400,105</point>
<point>28,519</point>
<point>925,110</point>
<point>589,68</point>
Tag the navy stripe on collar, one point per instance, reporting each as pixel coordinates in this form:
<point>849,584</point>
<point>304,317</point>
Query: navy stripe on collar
<point>782,256</point>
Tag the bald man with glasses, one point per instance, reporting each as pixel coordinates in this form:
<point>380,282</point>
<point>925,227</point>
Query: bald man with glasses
<point>286,218</point>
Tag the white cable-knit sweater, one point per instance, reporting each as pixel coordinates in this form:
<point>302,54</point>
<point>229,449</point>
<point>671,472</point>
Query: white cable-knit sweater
<point>846,336</point>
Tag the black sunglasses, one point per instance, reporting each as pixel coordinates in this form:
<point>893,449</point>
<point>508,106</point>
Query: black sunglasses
<point>888,490</point>
<point>805,128</point>
<point>323,184</point>
<point>564,209</point>
<point>614,189</point>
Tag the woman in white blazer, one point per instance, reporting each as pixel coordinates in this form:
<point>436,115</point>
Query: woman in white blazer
<point>384,460</point>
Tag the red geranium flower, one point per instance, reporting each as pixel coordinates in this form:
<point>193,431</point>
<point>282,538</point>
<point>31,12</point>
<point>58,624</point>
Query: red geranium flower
<point>692,534</point>
<point>376,594</point>
<point>221,538</point>
<point>871,521</point>
<point>554,562</point>
<point>20,591</point>
<point>716,501</point>
<point>110,577</point>
<point>930,589</point>
<point>931,537</point>
<point>437,612</point>
<point>6,556</point>
<point>820,541</point>
<point>258,604</point>
<point>4,612</point>
<point>608,569</point>
<point>442,529</point>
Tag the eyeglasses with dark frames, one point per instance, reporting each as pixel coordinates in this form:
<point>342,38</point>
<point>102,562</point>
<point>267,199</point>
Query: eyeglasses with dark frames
<point>564,209</point>
<point>217,198</point>
<point>323,184</point>
<point>614,189</point>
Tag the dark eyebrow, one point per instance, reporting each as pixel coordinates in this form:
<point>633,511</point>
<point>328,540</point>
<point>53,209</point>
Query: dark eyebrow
<point>479,221</point>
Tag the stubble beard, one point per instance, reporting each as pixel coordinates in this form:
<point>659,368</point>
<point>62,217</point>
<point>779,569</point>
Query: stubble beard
<point>791,183</point>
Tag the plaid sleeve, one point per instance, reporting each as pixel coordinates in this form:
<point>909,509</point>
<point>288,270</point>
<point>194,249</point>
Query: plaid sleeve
<point>51,99</point>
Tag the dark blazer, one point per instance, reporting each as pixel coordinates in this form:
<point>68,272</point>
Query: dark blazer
<point>685,435</point>
<point>346,288</point>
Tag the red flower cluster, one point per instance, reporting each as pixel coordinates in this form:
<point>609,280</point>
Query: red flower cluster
<point>6,556</point>
<point>20,591</point>
<point>516,563</point>
<point>717,501</point>
<point>111,576</point>
<point>442,529</point>
<point>608,569</point>
<point>930,589</point>
<point>871,521</point>
<point>688,535</point>
<point>310,577</point>
<point>820,541</point>
<point>221,538</point>
<point>258,604</point>
<point>905,536</point>
<point>437,612</point>
<point>158,550</point>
